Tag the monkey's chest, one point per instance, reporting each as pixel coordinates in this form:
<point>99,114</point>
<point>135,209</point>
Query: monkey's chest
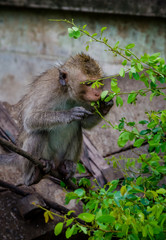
<point>63,137</point>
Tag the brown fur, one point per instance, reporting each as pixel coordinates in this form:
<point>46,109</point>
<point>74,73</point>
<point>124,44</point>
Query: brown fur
<point>53,113</point>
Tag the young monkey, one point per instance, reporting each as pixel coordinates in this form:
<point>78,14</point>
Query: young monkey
<point>54,111</point>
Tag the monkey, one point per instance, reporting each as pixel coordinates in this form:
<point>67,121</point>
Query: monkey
<point>53,113</point>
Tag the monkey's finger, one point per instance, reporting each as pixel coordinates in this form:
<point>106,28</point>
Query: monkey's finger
<point>76,117</point>
<point>88,112</point>
<point>82,110</point>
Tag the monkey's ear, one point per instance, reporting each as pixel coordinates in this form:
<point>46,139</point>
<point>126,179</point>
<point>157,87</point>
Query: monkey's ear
<point>63,78</point>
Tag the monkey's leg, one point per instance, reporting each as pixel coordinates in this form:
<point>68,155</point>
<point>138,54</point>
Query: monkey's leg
<point>67,169</point>
<point>32,173</point>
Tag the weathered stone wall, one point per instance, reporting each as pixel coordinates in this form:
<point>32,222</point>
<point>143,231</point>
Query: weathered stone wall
<point>134,7</point>
<point>30,44</point>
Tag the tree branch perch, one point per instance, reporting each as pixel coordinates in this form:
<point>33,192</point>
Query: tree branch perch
<point>34,160</point>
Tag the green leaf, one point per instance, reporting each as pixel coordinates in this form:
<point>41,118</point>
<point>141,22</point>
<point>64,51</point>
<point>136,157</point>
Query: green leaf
<point>129,46</point>
<point>46,216</point>
<point>80,192</point>
<point>87,217</point>
<point>140,67</point>
<point>163,116</point>
<point>116,45</point>
<point>145,79</point>
<point>161,169</point>
<point>87,48</point>
<point>113,185</point>
<point>69,221</point>
<point>81,168</point>
<point>144,58</point>
<point>151,96</point>
<point>139,180</point>
<point>161,191</point>
<point>119,101</point>
<point>163,147</point>
<point>131,124</point>
<point>105,40</point>
<point>144,132</point>
<point>123,190</point>
<point>103,29</point>
<point>151,124</point>
<point>83,229</point>
<point>77,34</point>
<point>135,131</point>
<point>133,70</point>
<point>145,201</point>
<point>141,216</point>
<point>69,231</point>
<point>109,97</point>
<point>138,142</point>
<point>84,27</point>
<point>50,215</point>
<point>84,182</point>
<point>58,228</point>
<point>143,122</point>
<point>104,94</point>
<point>75,29</point>
<point>123,139</point>
<point>70,196</point>
<point>122,72</point>
<point>154,56</point>
<point>106,219</point>
<point>150,230</point>
<point>128,54</point>
<point>124,62</point>
<point>114,86</point>
<point>62,184</point>
<point>71,32</point>
<point>70,212</point>
<point>118,197</point>
<point>86,32</point>
<point>136,76</point>
<point>114,82</point>
<point>115,89</point>
<point>131,97</point>
<point>93,35</point>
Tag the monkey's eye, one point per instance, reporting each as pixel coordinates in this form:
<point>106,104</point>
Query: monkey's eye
<point>88,83</point>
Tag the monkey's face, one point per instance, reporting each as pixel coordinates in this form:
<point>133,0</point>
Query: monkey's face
<point>89,94</point>
<point>80,87</point>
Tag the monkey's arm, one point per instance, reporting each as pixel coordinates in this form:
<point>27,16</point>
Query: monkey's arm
<point>46,120</point>
<point>94,119</point>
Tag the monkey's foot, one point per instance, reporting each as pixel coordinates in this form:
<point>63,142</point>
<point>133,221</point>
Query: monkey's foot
<point>67,169</point>
<point>47,165</point>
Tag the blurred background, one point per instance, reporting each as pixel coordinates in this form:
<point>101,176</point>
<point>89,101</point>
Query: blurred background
<point>30,44</point>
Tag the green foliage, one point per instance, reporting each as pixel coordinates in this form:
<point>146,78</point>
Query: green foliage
<point>80,168</point>
<point>58,228</point>
<point>74,32</point>
<point>138,209</point>
<point>133,212</point>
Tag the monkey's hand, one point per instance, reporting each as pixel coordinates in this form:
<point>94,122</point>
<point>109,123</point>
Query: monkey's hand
<point>105,106</point>
<point>67,168</point>
<point>47,165</point>
<point>78,113</point>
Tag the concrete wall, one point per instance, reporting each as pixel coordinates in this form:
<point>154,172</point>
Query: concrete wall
<point>30,44</point>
